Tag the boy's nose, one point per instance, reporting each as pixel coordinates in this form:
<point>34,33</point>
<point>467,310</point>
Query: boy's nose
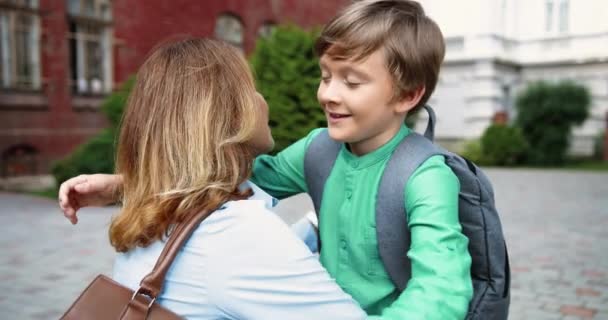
<point>328,93</point>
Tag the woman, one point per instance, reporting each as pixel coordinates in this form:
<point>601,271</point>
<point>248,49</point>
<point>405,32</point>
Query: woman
<point>192,127</point>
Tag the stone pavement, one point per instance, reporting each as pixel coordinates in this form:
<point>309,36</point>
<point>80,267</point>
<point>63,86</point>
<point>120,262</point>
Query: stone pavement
<point>556,223</point>
<point>46,261</point>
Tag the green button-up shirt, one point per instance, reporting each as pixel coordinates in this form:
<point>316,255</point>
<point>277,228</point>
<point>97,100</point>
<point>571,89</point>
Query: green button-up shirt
<point>440,287</point>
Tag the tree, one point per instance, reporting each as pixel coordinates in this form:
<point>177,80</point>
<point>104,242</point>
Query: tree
<point>546,114</point>
<point>287,74</point>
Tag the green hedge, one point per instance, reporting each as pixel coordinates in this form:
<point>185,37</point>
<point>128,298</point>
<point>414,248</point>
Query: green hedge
<point>287,74</point>
<point>502,145</point>
<point>472,151</point>
<point>547,113</point>
<point>95,156</point>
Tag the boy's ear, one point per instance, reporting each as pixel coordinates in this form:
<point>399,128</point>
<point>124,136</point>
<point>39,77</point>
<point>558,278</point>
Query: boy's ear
<point>409,100</point>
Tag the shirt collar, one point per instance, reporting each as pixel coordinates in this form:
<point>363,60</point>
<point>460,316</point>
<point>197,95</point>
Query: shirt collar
<point>259,194</point>
<point>369,159</point>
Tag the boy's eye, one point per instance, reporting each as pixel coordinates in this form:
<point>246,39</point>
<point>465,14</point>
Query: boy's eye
<point>325,78</point>
<point>351,84</point>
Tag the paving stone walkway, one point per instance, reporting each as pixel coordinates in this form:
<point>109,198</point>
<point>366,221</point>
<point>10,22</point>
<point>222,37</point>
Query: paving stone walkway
<point>556,223</point>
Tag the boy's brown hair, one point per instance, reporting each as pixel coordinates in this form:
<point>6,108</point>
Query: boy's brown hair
<point>413,44</point>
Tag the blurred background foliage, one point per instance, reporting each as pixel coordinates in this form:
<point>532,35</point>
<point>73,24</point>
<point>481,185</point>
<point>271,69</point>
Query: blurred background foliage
<point>287,74</point>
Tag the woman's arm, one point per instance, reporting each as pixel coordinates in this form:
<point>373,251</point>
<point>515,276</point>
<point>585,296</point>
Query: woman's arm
<point>88,190</point>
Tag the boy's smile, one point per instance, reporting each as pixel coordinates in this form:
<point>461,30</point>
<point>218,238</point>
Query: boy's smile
<point>335,118</point>
<point>358,100</point>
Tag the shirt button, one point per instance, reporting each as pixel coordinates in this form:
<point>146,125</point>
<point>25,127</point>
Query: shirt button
<point>343,244</point>
<point>349,194</point>
<point>355,164</point>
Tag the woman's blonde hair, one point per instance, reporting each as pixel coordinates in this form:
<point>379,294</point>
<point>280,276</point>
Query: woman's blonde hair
<point>183,144</point>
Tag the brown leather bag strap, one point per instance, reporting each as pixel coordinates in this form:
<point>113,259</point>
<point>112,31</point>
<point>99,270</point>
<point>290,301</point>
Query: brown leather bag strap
<point>151,284</point>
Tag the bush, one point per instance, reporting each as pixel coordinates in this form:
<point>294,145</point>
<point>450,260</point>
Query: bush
<point>114,104</point>
<point>546,114</point>
<point>503,146</point>
<point>97,154</point>
<point>472,151</point>
<point>287,74</point>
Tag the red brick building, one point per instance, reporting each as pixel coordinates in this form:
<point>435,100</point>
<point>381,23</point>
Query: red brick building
<point>59,58</point>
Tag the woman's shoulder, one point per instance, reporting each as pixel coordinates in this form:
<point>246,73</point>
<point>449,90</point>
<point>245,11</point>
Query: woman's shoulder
<point>245,218</point>
<point>243,223</point>
<point>254,210</point>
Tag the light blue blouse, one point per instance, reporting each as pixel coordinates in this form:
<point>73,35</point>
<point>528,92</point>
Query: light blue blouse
<point>243,262</point>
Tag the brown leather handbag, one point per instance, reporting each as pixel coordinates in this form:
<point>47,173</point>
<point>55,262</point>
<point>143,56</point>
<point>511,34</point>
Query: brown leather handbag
<point>106,299</point>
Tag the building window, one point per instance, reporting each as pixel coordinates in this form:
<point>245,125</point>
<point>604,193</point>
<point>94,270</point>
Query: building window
<point>19,45</point>
<point>266,29</point>
<point>90,46</point>
<point>557,16</point>
<point>549,15</point>
<point>564,15</point>
<point>507,100</point>
<point>229,28</point>
<point>454,45</point>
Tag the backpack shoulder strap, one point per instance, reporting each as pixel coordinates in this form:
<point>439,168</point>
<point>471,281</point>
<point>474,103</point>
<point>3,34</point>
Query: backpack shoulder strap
<point>429,133</point>
<point>319,159</point>
<point>392,229</point>
<point>321,156</point>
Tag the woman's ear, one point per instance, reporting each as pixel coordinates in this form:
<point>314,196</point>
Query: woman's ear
<point>409,100</point>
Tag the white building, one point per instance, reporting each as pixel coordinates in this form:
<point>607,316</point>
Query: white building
<point>496,47</point>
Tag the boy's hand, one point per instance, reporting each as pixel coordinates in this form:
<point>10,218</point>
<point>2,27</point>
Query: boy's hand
<point>88,190</point>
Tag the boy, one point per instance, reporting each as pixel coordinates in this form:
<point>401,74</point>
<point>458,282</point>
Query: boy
<point>380,60</point>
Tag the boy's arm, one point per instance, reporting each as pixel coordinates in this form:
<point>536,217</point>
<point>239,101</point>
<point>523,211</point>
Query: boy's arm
<point>282,175</point>
<point>307,229</point>
<point>440,287</point>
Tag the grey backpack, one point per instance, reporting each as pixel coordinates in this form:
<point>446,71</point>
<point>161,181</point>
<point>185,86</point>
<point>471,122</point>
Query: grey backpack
<point>478,216</point>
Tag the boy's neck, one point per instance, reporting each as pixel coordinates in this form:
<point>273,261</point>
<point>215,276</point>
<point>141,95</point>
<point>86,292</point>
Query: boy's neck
<point>373,143</point>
